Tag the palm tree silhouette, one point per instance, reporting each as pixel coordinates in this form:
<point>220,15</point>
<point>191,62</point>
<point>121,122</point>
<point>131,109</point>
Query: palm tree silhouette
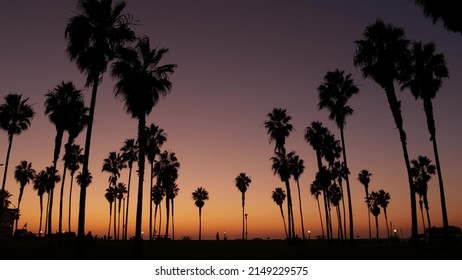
<point>200,195</point>
<point>364,177</point>
<point>51,178</point>
<point>113,164</point>
<point>24,174</point>
<point>40,185</point>
<point>375,210</point>
<point>335,195</point>
<point>156,137</point>
<point>110,196</point>
<point>334,93</point>
<point>15,117</point>
<point>278,128</point>
<point>315,190</point>
<point>93,37</point>
<point>130,155</point>
<point>171,195</point>
<point>242,182</point>
<point>141,83</point>
<point>383,199</point>
<point>166,170</point>
<point>424,78</point>
<point>380,55</point>
<point>279,196</point>
<point>442,11</point>
<point>72,160</point>
<point>157,197</point>
<point>120,190</point>
<point>297,168</point>
<point>422,169</point>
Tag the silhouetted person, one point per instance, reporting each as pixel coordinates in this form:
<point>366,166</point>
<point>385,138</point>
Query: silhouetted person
<point>218,236</point>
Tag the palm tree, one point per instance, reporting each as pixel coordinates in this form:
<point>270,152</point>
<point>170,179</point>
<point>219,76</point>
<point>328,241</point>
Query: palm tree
<point>200,195</point>
<point>242,182</point>
<point>424,78</point>
<point>442,11</point>
<point>156,137</point>
<point>422,169</point>
<point>40,183</point>
<point>364,177</point>
<point>315,190</point>
<point>297,168</point>
<point>72,160</point>
<point>278,128</point>
<point>279,196</point>
<point>334,94</point>
<point>141,84</point>
<point>15,117</point>
<point>171,195</point>
<point>51,178</point>
<point>157,197</point>
<point>24,174</point>
<point>120,190</point>
<point>130,155</point>
<point>375,210</point>
<point>380,56</point>
<point>60,103</point>
<point>93,37</point>
<point>383,199</point>
<point>166,170</point>
<point>110,197</point>
<point>113,164</point>
<point>335,195</point>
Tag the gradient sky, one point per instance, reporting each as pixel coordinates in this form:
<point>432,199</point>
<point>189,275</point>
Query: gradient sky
<point>237,60</point>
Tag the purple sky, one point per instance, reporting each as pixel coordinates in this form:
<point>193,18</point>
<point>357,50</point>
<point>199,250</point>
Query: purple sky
<point>236,61</point>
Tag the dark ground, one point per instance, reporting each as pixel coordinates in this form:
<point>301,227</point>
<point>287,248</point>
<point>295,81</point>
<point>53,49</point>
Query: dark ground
<point>40,249</point>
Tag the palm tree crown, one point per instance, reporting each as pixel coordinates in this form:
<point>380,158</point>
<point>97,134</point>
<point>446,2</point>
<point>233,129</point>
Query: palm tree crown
<point>278,127</point>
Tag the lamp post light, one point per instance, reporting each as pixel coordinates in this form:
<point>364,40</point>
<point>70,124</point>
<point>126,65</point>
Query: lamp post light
<point>395,231</point>
<point>142,235</point>
<point>246,227</point>
<point>309,235</point>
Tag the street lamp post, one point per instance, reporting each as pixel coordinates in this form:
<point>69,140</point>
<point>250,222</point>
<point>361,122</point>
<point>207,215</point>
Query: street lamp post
<point>309,235</point>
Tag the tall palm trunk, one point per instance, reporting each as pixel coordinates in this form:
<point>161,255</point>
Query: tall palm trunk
<point>110,219</point>
<point>150,203</point>
<point>128,202</point>
<point>115,219</point>
<point>58,143</point>
<point>326,207</point>
<point>41,216</point>
<point>85,172</point>
<point>339,219</point>
<point>350,207</point>
<point>428,107</point>
<point>21,192</point>
<point>283,219</point>
<point>320,217</point>
<point>173,222</point>
<point>421,212</point>
<point>366,188</point>
<point>289,210</point>
<point>425,201</point>
<point>243,214</point>
<point>61,194</point>
<point>386,221</point>
<point>155,218</point>
<point>160,220</point>
<point>118,220</point>
<point>344,212</point>
<point>5,171</point>
<point>377,227</point>
<point>301,213</point>
<point>200,223</point>
<point>141,163</point>
<point>395,107</point>
<point>70,204</point>
<point>167,211</point>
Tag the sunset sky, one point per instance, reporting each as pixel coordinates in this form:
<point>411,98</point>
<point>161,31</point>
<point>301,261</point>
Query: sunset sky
<point>237,60</point>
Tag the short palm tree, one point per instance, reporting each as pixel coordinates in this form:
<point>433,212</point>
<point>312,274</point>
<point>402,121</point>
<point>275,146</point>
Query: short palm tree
<point>130,155</point>
<point>72,160</point>
<point>40,182</point>
<point>242,182</point>
<point>335,196</point>
<point>383,200</point>
<point>334,94</point>
<point>93,35</point>
<point>375,210</point>
<point>364,177</point>
<point>200,195</point>
<point>316,190</point>
<point>157,196</point>
<point>24,174</point>
<point>142,82</point>
<point>51,178</point>
<point>120,190</point>
<point>297,168</point>
<point>278,197</point>
<point>15,117</point>
<point>110,196</point>
<point>424,78</point>
<point>422,169</point>
<point>380,55</point>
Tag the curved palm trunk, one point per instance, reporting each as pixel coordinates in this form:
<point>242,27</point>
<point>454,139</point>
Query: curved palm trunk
<point>421,212</point>
<point>301,213</point>
<point>70,204</point>
<point>110,219</point>
<point>21,191</point>
<point>200,223</point>
<point>320,218</point>
<point>395,107</point>
<point>283,219</point>
<point>141,163</point>
<point>5,171</point>
<point>428,107</point>
<point>61,194</point>
<point>128,202</point>
<point>350,207</point>
<point>85,172</point>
